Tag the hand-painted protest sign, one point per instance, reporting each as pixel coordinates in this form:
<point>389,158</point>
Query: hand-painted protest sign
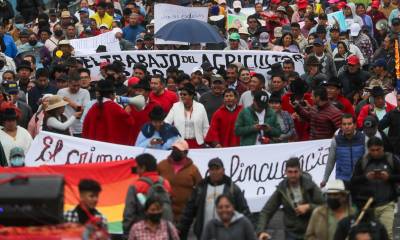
<point>256,169</point>
<point>84,46</point>
<point>337,18</point>
<point>158,61</point>
<point>166,13</point>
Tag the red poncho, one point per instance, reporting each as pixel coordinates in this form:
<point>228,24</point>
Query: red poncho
<point>222,127</point>
<point>111,123</point>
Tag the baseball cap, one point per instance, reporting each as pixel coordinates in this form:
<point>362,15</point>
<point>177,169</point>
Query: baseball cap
<point>64,42</point>
<point>197,69</point>
<point>133,81</point>
<point>318,41</point>
<point>375,4</point>
<point>181,144</point>
<point>10,87</point>
<point>217,78</point>
<point>264,37</point>
<point>380,63</point>
<point>234,36</point>
<point>281,9</point>
<point>84,10</point>
<point>237,4</point>
<point>370,122</point>
<point>215,162</point>
<point>220,2</point>
<point>353,60</point>
<point>302,4</point>
<point>103,26</point>
<point>355,29</point>
<point>261,98</point>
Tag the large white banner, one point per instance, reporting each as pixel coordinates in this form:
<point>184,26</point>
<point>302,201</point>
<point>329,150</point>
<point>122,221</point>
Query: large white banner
<point>89,45</point>
<point>158,61</point>
<point>256,169</point>
<point>166,13</point>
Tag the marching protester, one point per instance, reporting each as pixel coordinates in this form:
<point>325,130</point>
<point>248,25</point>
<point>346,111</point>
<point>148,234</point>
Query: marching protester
<point>222,127</point>
<point>201,206</point>
<point>284,71</point>
<point>347,147</point>
<point>139,190</point>
<point>377,173</point>
<point>324,219</point>
<point>298,195</point>
<point>189,117</point>
<point>183,175</point>
<point>229,224</point>
<point>257,124</point>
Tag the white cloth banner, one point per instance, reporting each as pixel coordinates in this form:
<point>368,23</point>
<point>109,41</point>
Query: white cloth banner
<point>89,45</point>
<point>256,169</point>
<point>158,61</point>
<point>166,13</point>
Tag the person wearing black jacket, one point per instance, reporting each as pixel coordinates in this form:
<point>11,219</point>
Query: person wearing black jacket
<point>201,204</point>
<point>392,120</point>
<point>378,173</point>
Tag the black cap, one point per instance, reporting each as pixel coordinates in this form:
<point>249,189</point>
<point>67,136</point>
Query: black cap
<point>215,162</point>
<point>206,66</point>
<point>261,98</point>
<point>25,65</point>
<point>140,66</point>
<point>10,87</point>
<point>275,68</point>
<point>334,81</point>
<point>370,122</point>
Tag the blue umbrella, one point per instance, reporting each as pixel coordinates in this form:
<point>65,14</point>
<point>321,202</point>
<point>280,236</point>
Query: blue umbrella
<point>189,30</point>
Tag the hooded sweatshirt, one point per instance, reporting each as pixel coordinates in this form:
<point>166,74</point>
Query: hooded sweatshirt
<point>354,18</point>
<point>240,228</point>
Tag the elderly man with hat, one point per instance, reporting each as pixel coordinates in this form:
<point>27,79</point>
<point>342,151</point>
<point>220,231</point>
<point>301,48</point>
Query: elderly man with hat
<point>157,134</point>
<point>378,107</point>
<point>11,88</point>
<point>337,207</point>
<point>201,208</point>
<point>257,124</point>
<point>183,175</point>
<point>333,87</point>
<point>353,77</point>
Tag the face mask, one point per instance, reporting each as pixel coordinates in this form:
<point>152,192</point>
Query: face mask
<point>58,33</point>
<point>32,42</point>
<point>154,217</point>
<point>333,203</point>
<point>176,155</point>
<point>17,161</point>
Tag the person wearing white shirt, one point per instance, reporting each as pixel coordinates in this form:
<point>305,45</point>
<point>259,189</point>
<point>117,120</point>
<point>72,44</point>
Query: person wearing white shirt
<point>12,135</point>
<point>189,117</point>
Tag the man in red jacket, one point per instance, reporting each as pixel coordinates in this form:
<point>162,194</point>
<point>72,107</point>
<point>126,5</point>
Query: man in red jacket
<point>222,127</point>
<point>333,87</point>
<point>146,168</point>
<point>141,116</point>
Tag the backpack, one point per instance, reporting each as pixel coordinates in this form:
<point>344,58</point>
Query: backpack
<point>158,190</point>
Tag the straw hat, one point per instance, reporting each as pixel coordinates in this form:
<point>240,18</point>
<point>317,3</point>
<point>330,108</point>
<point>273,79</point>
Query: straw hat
<point>55,102</point>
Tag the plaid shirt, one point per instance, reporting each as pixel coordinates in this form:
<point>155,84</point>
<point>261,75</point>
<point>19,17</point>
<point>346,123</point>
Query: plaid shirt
<point>141,231</point>
<point>73,217</point>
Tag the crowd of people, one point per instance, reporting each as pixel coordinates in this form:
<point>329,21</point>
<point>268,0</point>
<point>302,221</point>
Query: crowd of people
<point>348,93</point>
